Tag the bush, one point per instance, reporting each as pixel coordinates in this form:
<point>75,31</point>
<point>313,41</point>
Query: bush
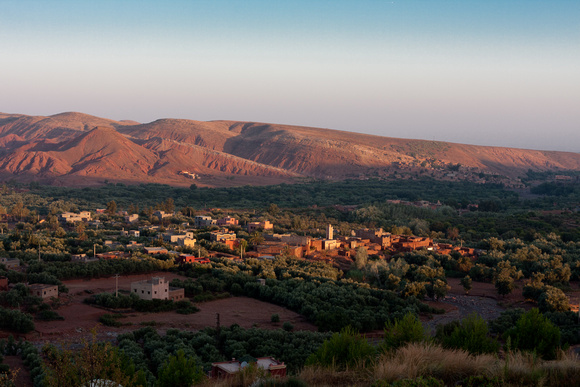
<point>185,307</point>
<point>345,349</point>
<point>275,318</point>
<point>406,330</point>
<point>535,333</point>
<point>471,335</point>
<point>111,320</point>
<point>287,326</point>
<point>179,371</point>
<point>49,315</point>
<point>15,320</point>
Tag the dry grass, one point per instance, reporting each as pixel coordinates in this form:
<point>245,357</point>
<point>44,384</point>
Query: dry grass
<point>430,360</point>
<point>326,377</point>
<point>566,368</point>
<point>422,359</point>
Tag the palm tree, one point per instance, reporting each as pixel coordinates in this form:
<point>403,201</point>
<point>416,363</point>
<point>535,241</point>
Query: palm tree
<point>243,247</point>
<point>256,238</point>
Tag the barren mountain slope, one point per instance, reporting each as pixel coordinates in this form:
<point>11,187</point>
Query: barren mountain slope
<point>330,152</point>
<point>210,135</point>
<point>176,157</point>
<point>68,144</point>
<point>59,126</point>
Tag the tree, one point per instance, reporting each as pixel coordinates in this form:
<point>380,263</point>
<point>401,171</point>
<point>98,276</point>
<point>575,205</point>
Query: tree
<point>112,207</point>
<point>273,209</point>
<point>256,238</point>
<point>553,300</point>
<point>179,371</point>
<point>453,233</point>
<point>19,211</point>
<point>416,289</point>
<point>360,258</point>
<point>243,247</point>
<point>188,211</point>
<point>440,289</point>
<point>93,361</point>
<point>504,285</point>
<point>466,283</point>
<point>168,205</point>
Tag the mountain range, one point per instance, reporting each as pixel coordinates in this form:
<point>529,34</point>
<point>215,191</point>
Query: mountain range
<point>80,149</point>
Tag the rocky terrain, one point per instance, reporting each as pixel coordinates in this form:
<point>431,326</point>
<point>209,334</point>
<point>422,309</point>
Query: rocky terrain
<point>79,149</point>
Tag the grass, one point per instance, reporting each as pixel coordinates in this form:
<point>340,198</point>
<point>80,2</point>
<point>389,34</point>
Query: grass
<point>421,364</point>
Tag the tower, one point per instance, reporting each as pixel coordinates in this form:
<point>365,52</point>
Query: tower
<point>329,232</point>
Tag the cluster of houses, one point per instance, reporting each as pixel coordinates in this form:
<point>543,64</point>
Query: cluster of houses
<point>330,248</point>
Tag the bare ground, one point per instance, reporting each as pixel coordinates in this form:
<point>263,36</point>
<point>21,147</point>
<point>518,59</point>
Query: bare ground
<point>80,318</point>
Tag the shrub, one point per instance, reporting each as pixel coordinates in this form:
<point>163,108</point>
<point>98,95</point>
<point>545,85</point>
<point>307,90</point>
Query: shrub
<point>287,326</point>
<point>275,318</point>
<point>345,349</point>
<point>535,333</point>
<point>180,371</point>
<point>406,330</point>
<point>111,320</point>
<point>49,315</point>
<point>506,320</point>
<point>471,335</point>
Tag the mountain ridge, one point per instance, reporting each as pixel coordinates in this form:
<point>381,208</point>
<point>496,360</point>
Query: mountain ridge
<point>74,148</point>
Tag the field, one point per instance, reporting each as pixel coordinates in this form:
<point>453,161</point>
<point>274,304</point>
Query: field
<point>80,318</point>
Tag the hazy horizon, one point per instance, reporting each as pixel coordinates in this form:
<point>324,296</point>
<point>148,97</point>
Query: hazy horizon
<point>486,73</point>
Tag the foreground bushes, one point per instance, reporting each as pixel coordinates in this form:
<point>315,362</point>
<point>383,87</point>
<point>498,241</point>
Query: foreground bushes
<point>15,320</point>
<point>343,350</point>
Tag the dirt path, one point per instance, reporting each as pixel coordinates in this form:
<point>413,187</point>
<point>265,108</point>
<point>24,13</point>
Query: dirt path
<point>460,306</point>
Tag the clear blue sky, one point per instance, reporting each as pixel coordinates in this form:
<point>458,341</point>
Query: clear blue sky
<point>490,72</point>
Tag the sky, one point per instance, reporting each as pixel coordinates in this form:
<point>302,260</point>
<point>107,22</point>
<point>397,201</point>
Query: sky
<point>486,72</point>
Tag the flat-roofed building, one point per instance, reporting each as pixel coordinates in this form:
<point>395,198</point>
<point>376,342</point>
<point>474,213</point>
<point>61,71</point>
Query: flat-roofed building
<point>202,221</point>
<point>131,218</point>
<point>222,236</point>
<point>71,217</point>
<point>43,291</point>
<point>227,221</point>
<point>255,226</point>
<point>155,250</point>
<point>156,288</point>
<point>176,294</point>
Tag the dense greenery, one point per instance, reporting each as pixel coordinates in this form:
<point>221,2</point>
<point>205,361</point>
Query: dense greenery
<point>149,350</point>
<point>320,193</point>
<point>314,290</point>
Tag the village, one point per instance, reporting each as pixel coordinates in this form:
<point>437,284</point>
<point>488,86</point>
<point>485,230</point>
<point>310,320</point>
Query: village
<point>231,267</point>
<point>263,244</point>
